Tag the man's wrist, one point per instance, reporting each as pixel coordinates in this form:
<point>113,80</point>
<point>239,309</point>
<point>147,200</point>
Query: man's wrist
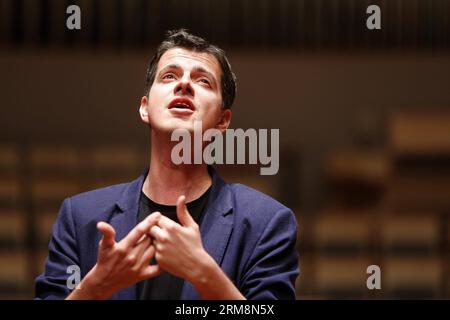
<point>206,282</point>
<point>205,273</point>
<point>212,283</point>
<point>90,288</point>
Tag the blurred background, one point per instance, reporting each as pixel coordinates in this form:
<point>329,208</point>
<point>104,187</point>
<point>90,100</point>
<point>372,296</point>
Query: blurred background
<point>364,119</point>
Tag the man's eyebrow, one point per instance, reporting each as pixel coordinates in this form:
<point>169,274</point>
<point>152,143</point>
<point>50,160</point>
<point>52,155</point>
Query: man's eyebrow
<point>170,66</point>
<point>198,69</point>
<point>203,70</point>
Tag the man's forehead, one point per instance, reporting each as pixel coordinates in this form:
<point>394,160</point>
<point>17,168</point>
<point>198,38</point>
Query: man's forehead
<point>184,57</point>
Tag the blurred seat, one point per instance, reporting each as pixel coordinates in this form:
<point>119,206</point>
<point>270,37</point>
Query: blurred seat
<point>49,160</point>
<point>39,263</point>
<point>412,277</point>
<point>250,176</point>
<point>55,171</point>
<point>341,232</point>
<point>420,132</point>
<point>425,191</point>
<point>304,231</point>
<point>50,192</point>
<point>13,260</point>
<point>304,284</point>
<point>9,176</point>
<point>9,158</point>
<point>410,234</point>
<point>419,142</point>
<point>369,167</point>
<point>13,273</point>
<point>341,277</point>
<point>115,157</point>
<point>45,220</point>
<point>358,176</point>
<point>12,229</point>
<point>114,164</point>
<point>10,190</point>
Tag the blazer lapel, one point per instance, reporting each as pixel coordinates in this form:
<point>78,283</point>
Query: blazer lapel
<point>125,221</point>
<point>215,227</point>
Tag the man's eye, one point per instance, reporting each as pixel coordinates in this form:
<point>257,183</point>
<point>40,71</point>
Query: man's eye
<point>168,76</point>
<point>205,81</point>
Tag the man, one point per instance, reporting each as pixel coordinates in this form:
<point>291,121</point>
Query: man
<point>178,231</point>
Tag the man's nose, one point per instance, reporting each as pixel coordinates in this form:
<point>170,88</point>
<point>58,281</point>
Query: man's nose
<point>184,87</point>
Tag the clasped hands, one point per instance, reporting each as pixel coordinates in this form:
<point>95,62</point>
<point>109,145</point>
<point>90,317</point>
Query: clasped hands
<point>177,248</point>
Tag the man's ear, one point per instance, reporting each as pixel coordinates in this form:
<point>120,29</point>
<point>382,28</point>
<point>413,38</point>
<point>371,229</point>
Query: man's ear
<point>143,110</point>
<point>224,120</point>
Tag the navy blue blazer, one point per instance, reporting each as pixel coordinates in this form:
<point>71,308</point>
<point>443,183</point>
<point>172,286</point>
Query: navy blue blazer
<point>250,235</point>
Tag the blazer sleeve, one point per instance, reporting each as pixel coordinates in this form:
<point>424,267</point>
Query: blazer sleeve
<point>52,284</point>
<point>272,269</point>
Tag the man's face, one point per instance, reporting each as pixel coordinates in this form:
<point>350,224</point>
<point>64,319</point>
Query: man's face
<point>186,88</point>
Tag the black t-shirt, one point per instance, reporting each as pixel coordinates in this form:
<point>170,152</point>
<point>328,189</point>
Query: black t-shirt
<point>166,286</point>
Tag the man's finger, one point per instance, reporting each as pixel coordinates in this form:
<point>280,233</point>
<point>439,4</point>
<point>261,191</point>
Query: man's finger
<point>158,234</point>
<point>142,246</point>
<point>145,237</point>
<point>166,223</point>
<point>183,214</point>
<point>147,255</point>
<point>142,228</point>
<point>151,271</point>
<point>109,235</point>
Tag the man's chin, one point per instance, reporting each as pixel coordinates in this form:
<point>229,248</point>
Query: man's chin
<point>175,125</point>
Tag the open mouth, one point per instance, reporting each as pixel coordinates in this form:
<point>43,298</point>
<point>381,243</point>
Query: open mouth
<point>182,104</point>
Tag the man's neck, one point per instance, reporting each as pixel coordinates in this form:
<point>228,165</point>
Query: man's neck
<point>165,181</point>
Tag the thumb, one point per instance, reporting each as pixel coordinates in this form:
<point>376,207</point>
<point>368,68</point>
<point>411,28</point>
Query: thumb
<point>183,214</point>
<point>109,235</point>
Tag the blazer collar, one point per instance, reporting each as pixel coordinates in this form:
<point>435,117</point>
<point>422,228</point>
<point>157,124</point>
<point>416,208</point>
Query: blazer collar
<point>219,199</point>
<point>125,221</point>
<point>215,227</point>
